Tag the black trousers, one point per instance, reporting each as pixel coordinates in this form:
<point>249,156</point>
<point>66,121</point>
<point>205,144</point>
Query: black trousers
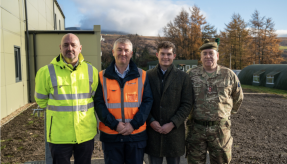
<point>159,160</point>
<point>124,152</point>
<point>62,153</point>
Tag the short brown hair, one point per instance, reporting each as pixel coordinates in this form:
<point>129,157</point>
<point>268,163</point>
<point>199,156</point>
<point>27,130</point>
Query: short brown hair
<point>166,45</point>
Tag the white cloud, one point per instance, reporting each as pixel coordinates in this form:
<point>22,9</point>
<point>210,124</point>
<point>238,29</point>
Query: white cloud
<point>281,33</point>
<point>144,17</point>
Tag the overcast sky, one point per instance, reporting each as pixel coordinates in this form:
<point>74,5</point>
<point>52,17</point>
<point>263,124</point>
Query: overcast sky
<point>148,17</point>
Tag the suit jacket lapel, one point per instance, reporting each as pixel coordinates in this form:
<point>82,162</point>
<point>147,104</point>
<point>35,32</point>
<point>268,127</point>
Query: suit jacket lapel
<point>155,79</point>
<point>170,78</point>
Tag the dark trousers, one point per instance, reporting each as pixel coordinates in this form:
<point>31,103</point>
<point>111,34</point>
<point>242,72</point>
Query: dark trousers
<point>62,153</point>
<point>159,160</point>
<point>124,152</point>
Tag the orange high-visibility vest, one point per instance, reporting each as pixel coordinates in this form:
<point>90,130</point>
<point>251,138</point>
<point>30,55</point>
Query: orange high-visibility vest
<point>122,103</point>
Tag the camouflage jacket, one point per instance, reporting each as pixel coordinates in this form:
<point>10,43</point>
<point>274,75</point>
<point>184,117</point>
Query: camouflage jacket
<point>217,96</point>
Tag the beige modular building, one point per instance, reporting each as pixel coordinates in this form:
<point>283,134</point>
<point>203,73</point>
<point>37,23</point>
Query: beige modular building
<point>24,51</point>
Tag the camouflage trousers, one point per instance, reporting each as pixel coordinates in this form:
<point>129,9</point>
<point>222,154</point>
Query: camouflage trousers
<point>216,139</point>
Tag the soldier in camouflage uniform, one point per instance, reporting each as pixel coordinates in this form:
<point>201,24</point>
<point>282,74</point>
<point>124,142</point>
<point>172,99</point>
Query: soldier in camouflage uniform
<point>218,94</point>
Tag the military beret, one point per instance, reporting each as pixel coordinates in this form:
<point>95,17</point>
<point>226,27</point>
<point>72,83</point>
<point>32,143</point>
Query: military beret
<point>209,45</point>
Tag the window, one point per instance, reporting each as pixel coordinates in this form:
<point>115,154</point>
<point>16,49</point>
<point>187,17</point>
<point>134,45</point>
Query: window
<point>55,20</point>
<point>17,64</point>
<point>151,66</point>
<point>187,67</point>
<point>256,78</point>
<point>269,79</point>
<point>59,25</point>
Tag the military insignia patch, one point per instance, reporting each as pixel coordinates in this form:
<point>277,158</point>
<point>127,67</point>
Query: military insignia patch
<point>238,84</point>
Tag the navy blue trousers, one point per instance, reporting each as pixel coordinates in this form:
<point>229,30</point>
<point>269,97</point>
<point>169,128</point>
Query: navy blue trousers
<point>124,152</point>
<point>62,153</point>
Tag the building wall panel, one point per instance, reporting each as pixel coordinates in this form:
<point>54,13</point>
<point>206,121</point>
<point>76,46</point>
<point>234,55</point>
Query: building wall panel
<point>12,6</point>
<point>34,3</point>
<point>3,102</point>
<point>10,22</point>
<point>10,39</point>
<point>33,16</point>
<point>14,96</point>
<point>42,23</point>
<point>42,8</point>
<point>49,16</point>
<point>3,72</point>
<point>2,38</point>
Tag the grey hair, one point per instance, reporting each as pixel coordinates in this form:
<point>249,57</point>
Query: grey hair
<point>123,41</point>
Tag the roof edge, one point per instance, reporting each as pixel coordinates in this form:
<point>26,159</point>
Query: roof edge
<point>59,8</point>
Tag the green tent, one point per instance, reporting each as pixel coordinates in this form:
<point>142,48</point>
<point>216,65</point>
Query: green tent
<point>268,75</point>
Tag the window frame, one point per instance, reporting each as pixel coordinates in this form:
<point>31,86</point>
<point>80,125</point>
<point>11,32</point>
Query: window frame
<point>270,76</point>
<point>55,21</point>
<point>258,79</point>
<point>17,60</point>
<point>186,67</point>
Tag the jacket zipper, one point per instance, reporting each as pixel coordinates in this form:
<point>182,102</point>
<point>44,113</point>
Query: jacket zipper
<point>122,104</point>
<point>50,127</point>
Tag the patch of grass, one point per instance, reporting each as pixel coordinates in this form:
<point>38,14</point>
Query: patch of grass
<point>9,156</point>
<point>21,147</point>
<point>3,147</point>
<point>30,122</point>
<point>35,135</point>
<point>2,140</point>
<point>283,48</point>
<point>261,89</point>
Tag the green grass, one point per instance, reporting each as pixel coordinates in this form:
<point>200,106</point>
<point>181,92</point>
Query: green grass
<point>30,122</point>
<point>283,48</point>
<point>261,89</point>
<point>3,147</point>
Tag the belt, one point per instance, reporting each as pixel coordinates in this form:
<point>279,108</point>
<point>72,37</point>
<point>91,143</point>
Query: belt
<point>207,123</point>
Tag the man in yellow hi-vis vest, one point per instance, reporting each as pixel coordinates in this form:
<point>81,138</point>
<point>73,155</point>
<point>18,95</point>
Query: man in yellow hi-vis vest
<point>66,88</point>
<point>123,101</point>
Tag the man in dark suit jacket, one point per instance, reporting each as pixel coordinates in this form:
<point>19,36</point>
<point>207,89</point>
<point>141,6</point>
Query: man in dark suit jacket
<point>172,93</point>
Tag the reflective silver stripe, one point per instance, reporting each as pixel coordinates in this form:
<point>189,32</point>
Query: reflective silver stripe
<point>52,75</point>
<point>40,96</point>
<point>58,96</point>
<point>90,70</point>
<point>70,108</point>
<point>93,93</point>
<point>126,104</point>
<point>70,96</point>
<point>126,120</point>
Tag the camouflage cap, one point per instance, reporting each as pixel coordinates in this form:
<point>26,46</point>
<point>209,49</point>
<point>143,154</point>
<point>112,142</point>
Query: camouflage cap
<point>208,45</point>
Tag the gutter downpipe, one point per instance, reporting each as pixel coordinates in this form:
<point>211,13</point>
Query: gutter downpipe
<point>54,13</point>
<point>27,54</point>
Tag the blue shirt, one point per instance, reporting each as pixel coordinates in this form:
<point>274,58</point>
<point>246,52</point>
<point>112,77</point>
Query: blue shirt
<point>125,72</point>
<point>163,72</point>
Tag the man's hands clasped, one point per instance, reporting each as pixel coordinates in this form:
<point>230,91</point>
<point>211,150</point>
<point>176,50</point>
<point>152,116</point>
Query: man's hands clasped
<point>165,129</point>
<point>125,128</point>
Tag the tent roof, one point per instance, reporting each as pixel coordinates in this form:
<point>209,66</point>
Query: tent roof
<point>273,73</point>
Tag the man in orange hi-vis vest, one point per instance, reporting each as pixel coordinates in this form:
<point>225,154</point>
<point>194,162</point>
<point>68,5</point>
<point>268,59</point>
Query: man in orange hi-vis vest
<point>123,101</point>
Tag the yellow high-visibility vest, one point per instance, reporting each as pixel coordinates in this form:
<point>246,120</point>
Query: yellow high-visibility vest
<point>67,96</point>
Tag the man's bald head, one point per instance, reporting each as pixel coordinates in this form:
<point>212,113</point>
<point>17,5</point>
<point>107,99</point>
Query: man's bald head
<point>70,35</point>
<point>70,48</point>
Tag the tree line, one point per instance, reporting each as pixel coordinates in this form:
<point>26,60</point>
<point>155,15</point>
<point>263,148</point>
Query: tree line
<point>241,43</point>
